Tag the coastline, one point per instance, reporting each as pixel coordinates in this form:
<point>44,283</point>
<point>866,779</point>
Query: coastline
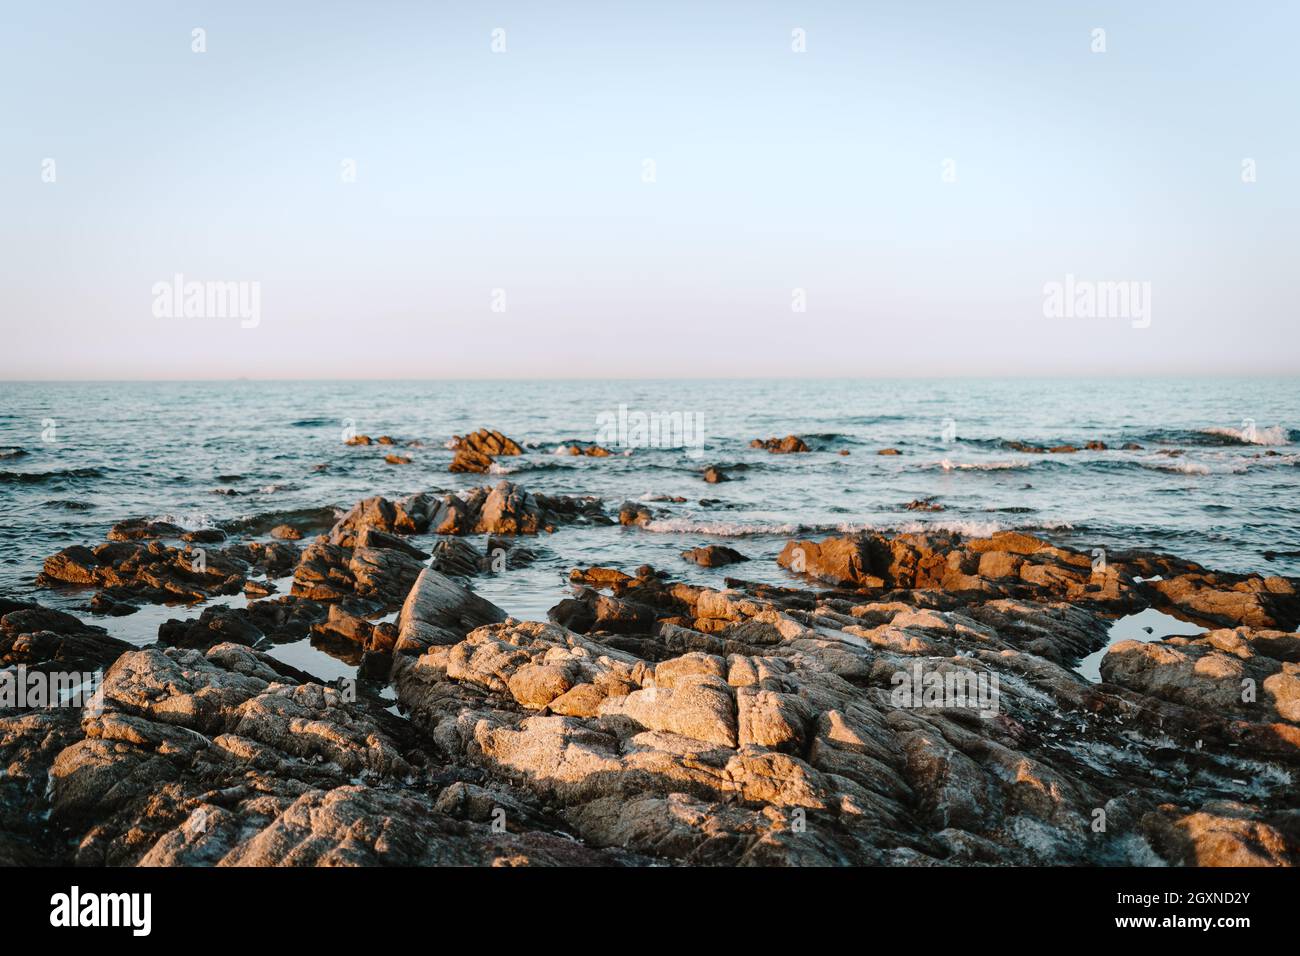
<point>648,720</point>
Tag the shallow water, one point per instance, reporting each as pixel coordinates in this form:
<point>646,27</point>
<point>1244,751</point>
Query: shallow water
<point>1146,625</point>
<point>241,454</point>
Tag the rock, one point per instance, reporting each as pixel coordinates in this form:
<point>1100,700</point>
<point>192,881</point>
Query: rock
<point>889,451</point>
<point>471,462</point>
<point>286,532</point>
<point>713,474</point>
<point>487,442</point>
<point>924,504</point>
<point>701,709</point>
<point>376,513</point>
<point>1230,599</point>
<point>836,560</point>
<point>152,572</point>
<point>136,529</point>
<point>215,625</point>
<point>631,513</point>
<point>1220,672</point>
<point>782,446</point>
<point>577,449</point>
<point>397,459</point>
<point>713,555</point>
<point>1222,833</point>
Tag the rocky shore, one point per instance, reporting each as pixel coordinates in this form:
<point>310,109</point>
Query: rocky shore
<point>649,720</point>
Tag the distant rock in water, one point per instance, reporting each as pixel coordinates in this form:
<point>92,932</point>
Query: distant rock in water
<point>781,446</point>
<point>487,442</point>
<point>140,529</point>
<point>713,555</point>
<point>577,449</point>
<point>924,504</point>
<point>476,452</point>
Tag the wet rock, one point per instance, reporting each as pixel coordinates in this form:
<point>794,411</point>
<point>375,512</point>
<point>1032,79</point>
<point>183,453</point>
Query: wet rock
<point>471,462</point>
<point>215,625</point>
<point>477,451</point>
<point>376,513</point>
<point>845,561</point>
<point>1222,833</point>
<point>1220,672</point>
<point>150,572</point>
<point>781,446</point>
<point>713,555</point>
<point>1230,599</point>
<point>487,442</point>
<point>923,504</point>
<point>136,529</point>
<point>631,513</point>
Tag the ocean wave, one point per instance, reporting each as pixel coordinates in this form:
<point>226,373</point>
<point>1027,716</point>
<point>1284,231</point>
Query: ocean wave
<point>40,477</point>
<point>13,452</point>
<point>1274,435</point>
<point>974,528</point>
<point>276,486</point>
<point>517,467</point>
<point>70,504</point>
<point>949,465</point>
<point>186,520</point>
<point>304,519</point>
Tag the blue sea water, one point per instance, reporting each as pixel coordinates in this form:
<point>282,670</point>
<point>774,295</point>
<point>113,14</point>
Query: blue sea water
<point>1216,478</point>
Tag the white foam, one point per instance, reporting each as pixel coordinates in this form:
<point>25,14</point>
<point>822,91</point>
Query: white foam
<point>733,529</point>
<point>1276,435</point>
<point>949,465</point>
<point>187,521</point>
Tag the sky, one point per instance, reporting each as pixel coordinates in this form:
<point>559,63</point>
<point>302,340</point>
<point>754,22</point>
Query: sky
<point>588,189</point>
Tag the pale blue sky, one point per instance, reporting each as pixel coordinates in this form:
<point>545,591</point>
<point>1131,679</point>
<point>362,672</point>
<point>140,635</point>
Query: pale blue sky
<point>523,171</point>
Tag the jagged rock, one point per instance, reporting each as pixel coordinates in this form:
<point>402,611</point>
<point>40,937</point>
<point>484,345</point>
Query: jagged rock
<point>782,446</point>
<point>1219,672</point>
<point>151,572</point>
<point>375,513</point>
<point>216,625</point>
<point>487,442</point>
<point>471,462</point>
<point>713,555</point>
<point>136,529</point>
<point>631,513</point>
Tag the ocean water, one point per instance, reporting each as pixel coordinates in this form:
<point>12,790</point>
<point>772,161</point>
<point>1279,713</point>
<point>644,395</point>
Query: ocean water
<point>1216,479</point>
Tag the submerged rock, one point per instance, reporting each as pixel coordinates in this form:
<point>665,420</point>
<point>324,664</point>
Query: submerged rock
<point>713,555</point>
<point>781,446</point>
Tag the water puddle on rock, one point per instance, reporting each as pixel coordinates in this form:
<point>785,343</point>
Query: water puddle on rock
<point>141,629</point>
<point>1146,625</point>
